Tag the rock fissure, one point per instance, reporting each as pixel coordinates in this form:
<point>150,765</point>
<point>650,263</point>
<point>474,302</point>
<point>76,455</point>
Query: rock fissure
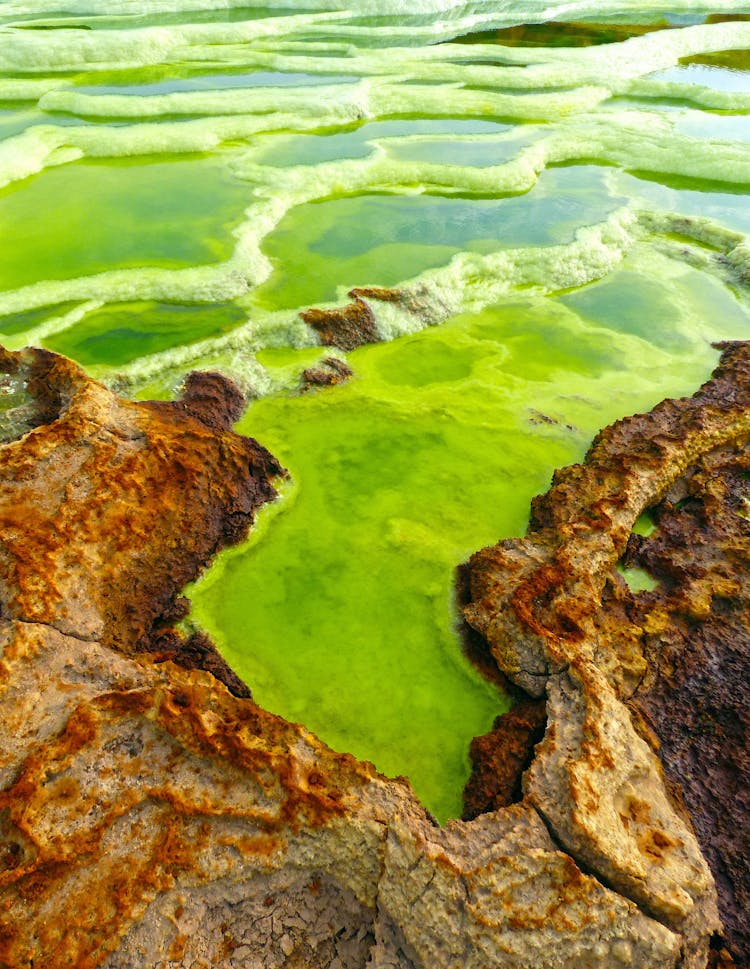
<point>58,627</point>
<point>590,872</point>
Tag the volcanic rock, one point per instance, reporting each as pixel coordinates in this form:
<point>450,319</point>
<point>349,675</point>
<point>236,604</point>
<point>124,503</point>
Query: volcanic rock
<point>346,327</point>
<point>696,640</point>
<point>151,817</point>
<point>329,372</point>
<point>500,758</point>
<point>560,621</point>
<point>354,325</point>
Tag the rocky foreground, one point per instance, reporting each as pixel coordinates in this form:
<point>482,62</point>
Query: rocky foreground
<point>151,815</point>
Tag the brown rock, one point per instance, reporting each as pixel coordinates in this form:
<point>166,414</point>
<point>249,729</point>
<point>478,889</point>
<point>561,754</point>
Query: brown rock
<point>354,325</point>
<point>327,373</point>
<point>346,327</point>
<point>151,818</point>
<point>500,757</point>
<point>559,619</point>
<point>98,501</point>
<point>696,697</point>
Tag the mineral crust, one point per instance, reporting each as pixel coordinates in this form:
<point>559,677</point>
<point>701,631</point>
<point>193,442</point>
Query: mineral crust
<point>356,324</point>
<point>152,815</point>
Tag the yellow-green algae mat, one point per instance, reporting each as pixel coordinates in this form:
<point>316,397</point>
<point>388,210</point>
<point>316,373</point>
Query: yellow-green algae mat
<point>340,611</point>
<point>566,203</point>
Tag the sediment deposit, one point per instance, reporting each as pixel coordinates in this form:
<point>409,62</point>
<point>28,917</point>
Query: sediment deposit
<point>152,815</point>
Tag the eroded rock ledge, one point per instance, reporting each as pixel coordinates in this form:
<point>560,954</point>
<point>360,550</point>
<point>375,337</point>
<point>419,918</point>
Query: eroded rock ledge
<point>152,817</point>
<point>622,671</point>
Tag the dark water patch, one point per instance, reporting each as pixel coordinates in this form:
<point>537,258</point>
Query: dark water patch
<point>15,323</point>
<point>118,334</point>
<point>215,82</point>
<point>732,60</point>
<point>559,34</point>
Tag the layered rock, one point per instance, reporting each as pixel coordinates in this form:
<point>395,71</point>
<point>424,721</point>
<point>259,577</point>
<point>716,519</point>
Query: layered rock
<point>152,816</point>
<point>356,324</point>
<point>561,622</point>
<point>696,640</point>
<point>329,372</point>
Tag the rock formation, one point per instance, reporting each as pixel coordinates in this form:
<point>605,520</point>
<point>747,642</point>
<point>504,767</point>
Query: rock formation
<point>696,641</point>
<point>151,815</point>
<point>356,324</point>
<point>560,621</point>
<point>329,372</point>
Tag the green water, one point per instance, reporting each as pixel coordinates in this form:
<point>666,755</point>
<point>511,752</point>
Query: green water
<point>432,451</point>
<point>565,205</point>
<point>118,334</point>
<point>89,216</point>
<point>314,149</point>
<point>387,238</point>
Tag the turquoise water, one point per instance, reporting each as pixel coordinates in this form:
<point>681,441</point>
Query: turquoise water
<point>563,204</point>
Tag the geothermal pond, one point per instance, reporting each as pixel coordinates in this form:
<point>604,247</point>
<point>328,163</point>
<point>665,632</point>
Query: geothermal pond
<point>563,200</point>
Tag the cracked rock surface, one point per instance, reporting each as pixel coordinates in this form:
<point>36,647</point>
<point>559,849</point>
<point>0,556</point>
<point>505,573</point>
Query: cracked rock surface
<point>642,684</point>
<point>151,815</point>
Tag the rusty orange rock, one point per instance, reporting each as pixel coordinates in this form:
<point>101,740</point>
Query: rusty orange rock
<point>151,815</point>
<point>560,620</point>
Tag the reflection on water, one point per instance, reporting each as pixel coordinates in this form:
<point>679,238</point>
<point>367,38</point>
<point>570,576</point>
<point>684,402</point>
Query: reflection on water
<point>216,82</point>
<point>388,238</point>
<point>715,77</point>
<point>316,148</point>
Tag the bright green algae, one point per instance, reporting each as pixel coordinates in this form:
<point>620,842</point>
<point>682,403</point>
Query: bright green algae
<point>89,216</point>
<point>121,333</point>
<point>433,450</point>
